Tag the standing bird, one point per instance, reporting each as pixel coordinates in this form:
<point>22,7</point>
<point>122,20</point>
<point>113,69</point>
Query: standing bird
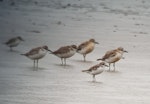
<point>37,53</point>
<point>13,42</point>
<point>86,47</point>
<point>113,56</point>
<point>96,69</point>
<point>65,52</point>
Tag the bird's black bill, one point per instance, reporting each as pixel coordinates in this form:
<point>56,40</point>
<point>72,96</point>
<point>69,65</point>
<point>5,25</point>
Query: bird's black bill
<point>96,43</point>
<point>106,65</point>
<point>125,51</point>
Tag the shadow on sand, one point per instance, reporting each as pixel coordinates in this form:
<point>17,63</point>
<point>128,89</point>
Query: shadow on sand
<point>82,61</point>
<point>14,51</point>
<point>95,82</point>
<point>112,71</point>
<point>36,69</point>
<point>65,66</point>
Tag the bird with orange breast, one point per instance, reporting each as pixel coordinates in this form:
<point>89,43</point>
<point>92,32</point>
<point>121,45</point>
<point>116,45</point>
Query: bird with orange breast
<point>113,56</point>
<point>86,47</point>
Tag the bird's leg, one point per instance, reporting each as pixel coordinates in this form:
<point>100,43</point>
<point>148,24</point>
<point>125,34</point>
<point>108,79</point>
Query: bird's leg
<point>114,66</point>
<point>62,61</point>
<point>84,55</point>
<point>94,78</point>
<point>123,57</point>
<point>34,63</point>
<point>11,49</point>
<point>37,63</point>
<point>109,66</point>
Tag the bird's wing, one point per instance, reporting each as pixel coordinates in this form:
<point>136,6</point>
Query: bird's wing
<point>93,67</point>
<point>33,51</point>
<point>109,54</point>
<point>10,41</point>
<point>62,50</point>
<point>82,45</point>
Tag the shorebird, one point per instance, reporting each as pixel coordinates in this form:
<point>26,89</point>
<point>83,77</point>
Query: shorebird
<point>96,69</point>
<point>65,52</point>
<point>86,47</point>
<point>113,56</point>
<point>13,42</point>
<point>37,53</point>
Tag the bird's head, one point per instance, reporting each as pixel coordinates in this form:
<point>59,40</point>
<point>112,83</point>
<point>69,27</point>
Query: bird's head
<point>20,38</point>
<point>45,47</point>
<point>93,40</point>
<point>103,64</point>
<point>122,49</point>
<point>74,46</point>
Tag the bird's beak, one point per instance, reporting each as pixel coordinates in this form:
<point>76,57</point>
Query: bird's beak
<point>49,51</point>
<point>123,58</point>
<point>22,39</point>
<point>125,51</point>
<point>96,42</point>
<point>106,65</point>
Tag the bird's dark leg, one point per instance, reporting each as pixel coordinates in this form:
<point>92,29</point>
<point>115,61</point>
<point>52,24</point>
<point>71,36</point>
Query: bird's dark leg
<point>11,49</point>
<point>94,78</point>
<point>37,63</point>
<point>109,66</point>
<point>114,66</point>
<point>62,61</point>
<point>84,55</point>
<point>34,63</point>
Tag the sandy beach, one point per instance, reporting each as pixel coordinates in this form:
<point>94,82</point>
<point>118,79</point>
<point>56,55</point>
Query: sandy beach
<point>57,23</point>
